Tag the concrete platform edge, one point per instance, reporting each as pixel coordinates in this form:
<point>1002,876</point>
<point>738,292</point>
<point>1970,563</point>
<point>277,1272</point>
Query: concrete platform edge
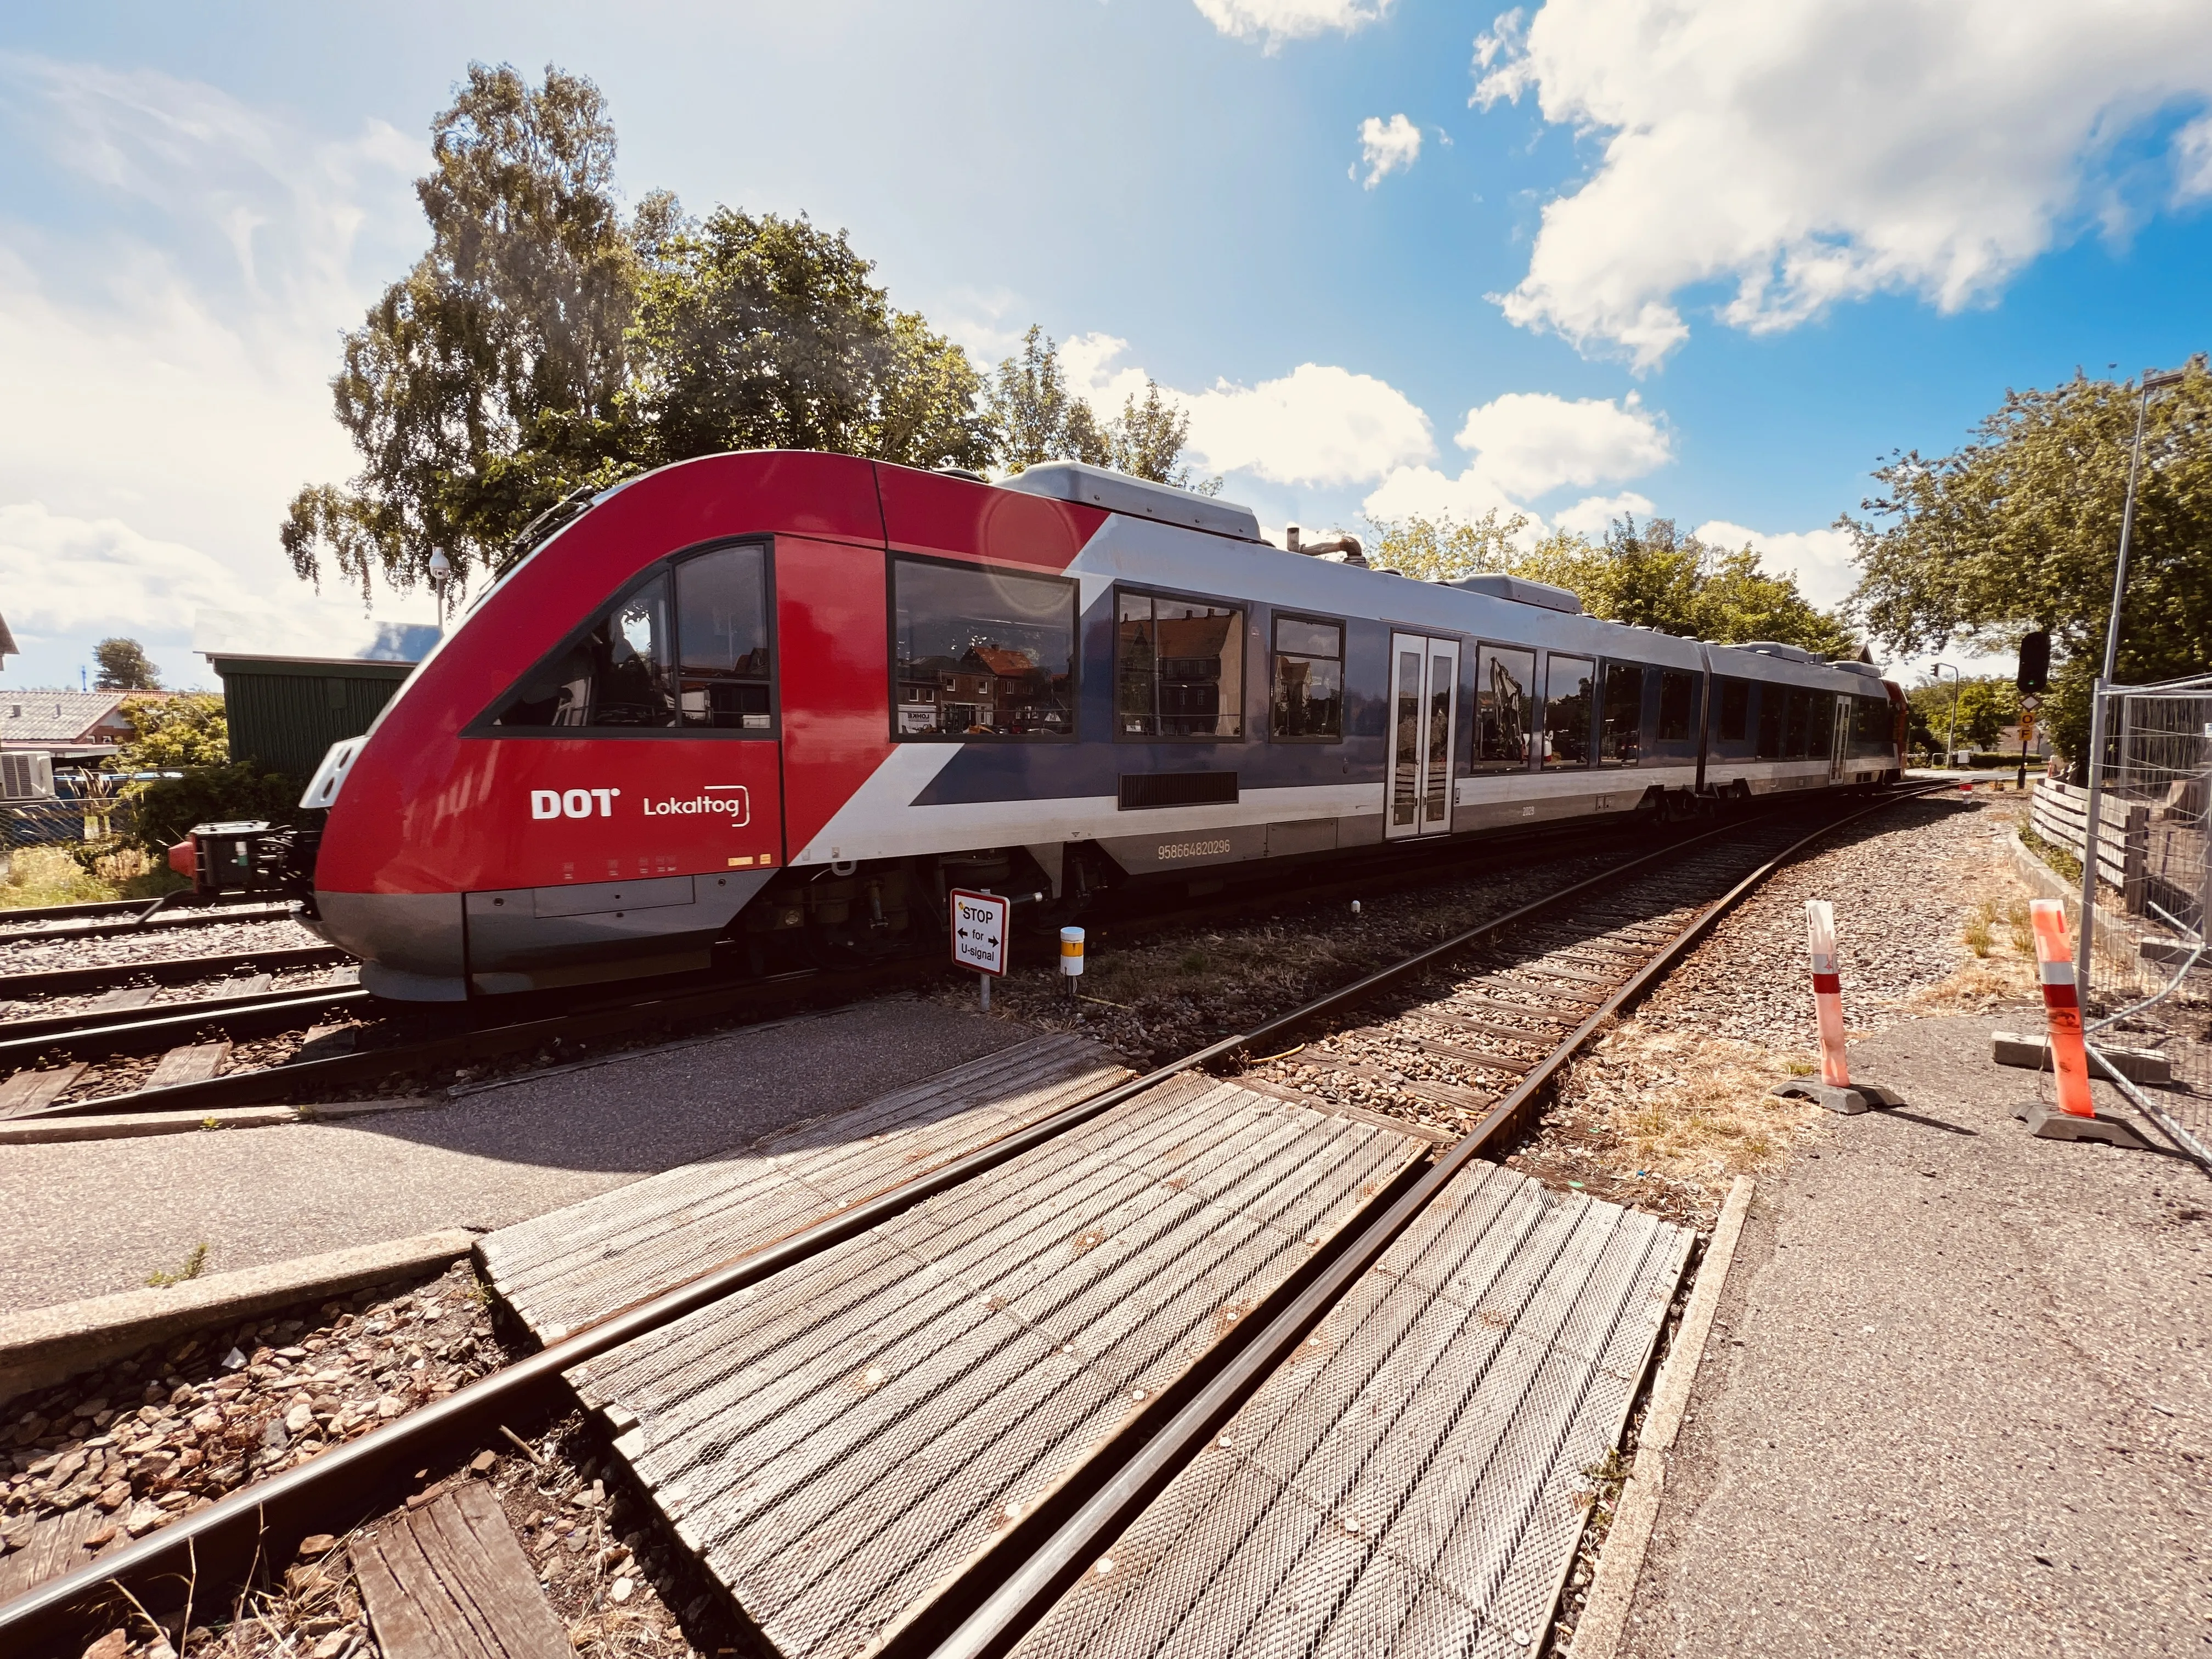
<point>46,1345</point>
<point>31,1132</point>
<point>1620,1563</point>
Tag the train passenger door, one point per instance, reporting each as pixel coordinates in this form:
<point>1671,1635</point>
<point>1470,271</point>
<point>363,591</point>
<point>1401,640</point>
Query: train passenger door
<point>1425,717</point>
<point>1839,744</point>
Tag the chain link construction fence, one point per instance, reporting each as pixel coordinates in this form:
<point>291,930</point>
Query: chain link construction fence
<point>2150,973</point>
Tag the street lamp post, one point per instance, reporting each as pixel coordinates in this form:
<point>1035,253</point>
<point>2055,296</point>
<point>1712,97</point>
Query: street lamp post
<point>2153,380</point>
<point>1950,739</point>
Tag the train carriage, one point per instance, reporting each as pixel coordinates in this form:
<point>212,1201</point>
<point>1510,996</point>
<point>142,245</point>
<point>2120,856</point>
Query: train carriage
<point>781,702</point>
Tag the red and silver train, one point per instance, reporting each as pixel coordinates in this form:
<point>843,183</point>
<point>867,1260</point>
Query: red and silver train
<point>780,702</point>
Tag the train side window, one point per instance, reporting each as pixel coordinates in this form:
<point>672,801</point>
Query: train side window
<point>1870,726</point>
<point>1621,729</point>
<point>1178,668</point>
<point>1308,700</point>
<point>1797,743</point>
<point>617,676</point>
<point>1773,704</point>
<point>1677,705</point>
<point>722,634</point>
<point>1736,710</point>
<point>1570,685</point>
<point>1504,708</point>
<point>981,652</point>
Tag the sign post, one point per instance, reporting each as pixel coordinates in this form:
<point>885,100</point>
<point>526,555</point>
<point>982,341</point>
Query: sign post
<point>979,936</point>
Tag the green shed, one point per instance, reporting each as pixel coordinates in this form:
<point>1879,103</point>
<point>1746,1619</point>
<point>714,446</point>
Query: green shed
<point>286,711</point>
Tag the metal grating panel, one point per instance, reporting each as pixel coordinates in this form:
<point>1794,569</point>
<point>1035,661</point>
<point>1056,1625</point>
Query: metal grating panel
<point>838,1443</point>
<point>1411,1481</point>
<point>564,1270</point>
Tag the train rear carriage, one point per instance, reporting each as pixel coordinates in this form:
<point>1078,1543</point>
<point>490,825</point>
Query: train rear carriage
<point>781,702</point>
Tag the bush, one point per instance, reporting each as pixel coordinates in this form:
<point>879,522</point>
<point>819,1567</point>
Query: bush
<point>169,807</point>
<point>51,875</point>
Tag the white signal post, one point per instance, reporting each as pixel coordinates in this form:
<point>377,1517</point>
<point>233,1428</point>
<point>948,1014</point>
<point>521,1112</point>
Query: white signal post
<point>979,936</point>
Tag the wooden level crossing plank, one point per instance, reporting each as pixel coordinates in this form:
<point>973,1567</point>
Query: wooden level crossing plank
<point>450,1581</point>
<point>1410,1481</point>
<point>109,1002</point>
<point>195,1063</point>
<point>50,1547</point>
<point>33,1092</point>
<point>563,1270</point>
<point>839,1441</point>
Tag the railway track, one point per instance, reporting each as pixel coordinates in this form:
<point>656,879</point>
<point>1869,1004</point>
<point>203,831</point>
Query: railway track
<point>389,1042</point>
<point>1498,1010</point>
<point>78,921</point>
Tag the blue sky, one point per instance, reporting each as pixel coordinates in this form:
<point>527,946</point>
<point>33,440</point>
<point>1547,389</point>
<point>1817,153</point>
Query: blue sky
<point>1708,257</point>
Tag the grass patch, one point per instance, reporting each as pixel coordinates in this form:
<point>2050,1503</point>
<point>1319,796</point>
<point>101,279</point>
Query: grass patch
<point>1980,929</point>
<point>191,1268</point>
<point>2065,863</point>
<point>1692,1108</point>
<point>39,876</point>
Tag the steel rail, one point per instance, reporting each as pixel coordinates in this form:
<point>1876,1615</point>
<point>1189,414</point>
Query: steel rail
<point>343,1485</point>
<point>97,927</point>
<point>93,1033</point>
<point>165,970</point>
<point>1158,1450</point>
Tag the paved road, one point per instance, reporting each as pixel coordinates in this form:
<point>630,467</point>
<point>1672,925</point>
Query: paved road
<point>85,1218</point>
<point>1959,1402</point>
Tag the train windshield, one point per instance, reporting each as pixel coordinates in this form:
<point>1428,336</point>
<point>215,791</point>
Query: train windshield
<point>686,648</point>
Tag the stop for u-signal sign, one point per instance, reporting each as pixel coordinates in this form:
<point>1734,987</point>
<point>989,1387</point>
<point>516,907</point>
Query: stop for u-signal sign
<point>979,931</point>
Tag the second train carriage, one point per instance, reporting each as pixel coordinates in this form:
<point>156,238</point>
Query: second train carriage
<point>780,699</point>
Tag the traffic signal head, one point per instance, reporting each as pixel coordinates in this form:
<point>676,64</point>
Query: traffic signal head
<point>2034,662</point>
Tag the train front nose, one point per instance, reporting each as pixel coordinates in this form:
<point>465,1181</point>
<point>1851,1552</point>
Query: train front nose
<point>409,944</point>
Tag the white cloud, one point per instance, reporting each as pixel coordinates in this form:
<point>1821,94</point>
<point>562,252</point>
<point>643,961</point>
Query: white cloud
<point>1820,559</point>
<point>1387,147</point>
<point>1316,425</point>
<point>1525,445</point>
<point>1594,515</point>
<point>67,576</point>
<point>1800,153</point>
<point>1423,492</point>
<point>171,289</point>
<point>1532,442</point>
<point>1275,22</point>
<point>2192,161</point>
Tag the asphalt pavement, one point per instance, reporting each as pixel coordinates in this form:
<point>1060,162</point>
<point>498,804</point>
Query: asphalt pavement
<point>82,1218</point>
<point>1959,1397</point>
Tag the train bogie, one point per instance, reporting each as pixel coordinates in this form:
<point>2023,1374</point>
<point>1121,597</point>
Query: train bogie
<point>777,705</point>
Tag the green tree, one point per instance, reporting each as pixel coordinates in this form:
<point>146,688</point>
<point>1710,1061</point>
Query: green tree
<point>488,382</point>
<point>1440,549</point>
<point>1985,706</point>
<point>765,332</point>
<point>123,666</point>
<point>1034,417</point>
<point>2019,529</point>
<point>170,734</point>
<point>1652,574</point>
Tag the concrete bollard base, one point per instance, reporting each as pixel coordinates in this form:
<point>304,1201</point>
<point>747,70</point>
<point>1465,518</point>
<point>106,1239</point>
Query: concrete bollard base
<point>2049,1123</point>
<point>2033,1054</point>
<point>1860,1097</point>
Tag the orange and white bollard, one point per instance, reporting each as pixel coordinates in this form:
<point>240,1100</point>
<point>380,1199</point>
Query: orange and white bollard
<point>2062,1009</point>
<point>1834,1090</point>
<point>2076,1117</point>
<point>1827,993</point>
